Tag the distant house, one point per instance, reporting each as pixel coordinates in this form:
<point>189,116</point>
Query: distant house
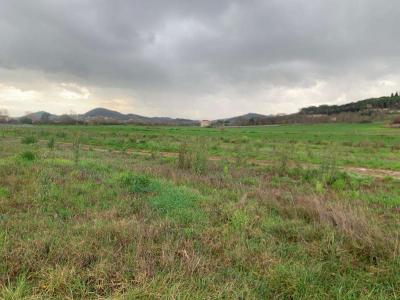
<point>205,123</point>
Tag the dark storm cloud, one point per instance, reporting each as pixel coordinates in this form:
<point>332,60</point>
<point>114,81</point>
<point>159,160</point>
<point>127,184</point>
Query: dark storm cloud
<point>197,47</point>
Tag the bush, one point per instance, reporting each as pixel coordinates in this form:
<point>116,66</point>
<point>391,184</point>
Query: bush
<point>192,158</point>
<point>29,140</point>
<point>28,156</point>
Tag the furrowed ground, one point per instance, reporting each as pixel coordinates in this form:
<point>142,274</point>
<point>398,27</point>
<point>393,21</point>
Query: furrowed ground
<point>76,222</point>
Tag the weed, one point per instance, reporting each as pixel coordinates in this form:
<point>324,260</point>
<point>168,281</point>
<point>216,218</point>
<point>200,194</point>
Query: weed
<point>19,290</point>
<point>29,140</point>
<point>137,183</point>
<point>51,143</point>
<point>76,150</point>
<point>28,156</point>
<point>192,158</point>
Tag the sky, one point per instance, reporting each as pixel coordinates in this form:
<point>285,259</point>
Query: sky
<point>203,59</point>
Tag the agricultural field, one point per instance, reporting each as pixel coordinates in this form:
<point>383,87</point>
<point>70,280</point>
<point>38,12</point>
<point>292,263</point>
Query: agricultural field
<point>135,212</point>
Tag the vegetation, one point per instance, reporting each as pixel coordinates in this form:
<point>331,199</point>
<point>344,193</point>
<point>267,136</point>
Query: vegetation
<point>392,102</point>
<point>126,212</point>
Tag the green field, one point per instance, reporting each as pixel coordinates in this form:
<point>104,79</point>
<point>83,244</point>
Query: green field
<point>362,145</point>
<point>232,213</point>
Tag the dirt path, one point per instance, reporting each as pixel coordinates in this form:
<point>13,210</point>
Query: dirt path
<point>378,173</point>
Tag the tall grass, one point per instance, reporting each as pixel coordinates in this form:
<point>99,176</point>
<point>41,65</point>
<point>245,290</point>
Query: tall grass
<point>76,149</point>
<point>193,157</point>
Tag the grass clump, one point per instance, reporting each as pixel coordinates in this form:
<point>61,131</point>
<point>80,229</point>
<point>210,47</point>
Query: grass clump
<point>51,143</point>
<point>28,156</point>
<point>76,150</point>
<point>19,290</point>
<point>192,158</point>
<point>138,184</point>
<point>176,202</point>
<point>29,140</point>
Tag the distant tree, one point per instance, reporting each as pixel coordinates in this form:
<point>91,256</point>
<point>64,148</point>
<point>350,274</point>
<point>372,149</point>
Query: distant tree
<point>392,95</point>
<point>397,94</point>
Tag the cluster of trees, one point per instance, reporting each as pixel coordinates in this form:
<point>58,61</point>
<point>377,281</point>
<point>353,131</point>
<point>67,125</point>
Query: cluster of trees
<point>392,102</point>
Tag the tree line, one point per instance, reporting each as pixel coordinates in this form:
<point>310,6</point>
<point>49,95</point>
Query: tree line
<point>392,102</point>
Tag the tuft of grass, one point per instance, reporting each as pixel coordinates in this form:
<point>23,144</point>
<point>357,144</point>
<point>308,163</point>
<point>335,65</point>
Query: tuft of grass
<point>51,143</point>
<point>192,158</point>
<point>29,140</point>
<point>76,150</point>
<point>177,203</point>
<point>17,291</point>
<point>28,156</point>
<point>138,184</point>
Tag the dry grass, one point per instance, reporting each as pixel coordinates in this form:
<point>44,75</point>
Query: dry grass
<point>78,230</point>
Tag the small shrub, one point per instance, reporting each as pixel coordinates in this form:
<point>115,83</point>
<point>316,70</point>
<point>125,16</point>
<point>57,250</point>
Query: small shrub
<point>29,140</point>
<point>192,158</point>
<point>28,156</point>
<point>51,143</point>
<point>183,157</point>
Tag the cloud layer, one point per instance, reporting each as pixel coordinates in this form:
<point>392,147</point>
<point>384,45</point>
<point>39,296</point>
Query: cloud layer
<point>198,59</point>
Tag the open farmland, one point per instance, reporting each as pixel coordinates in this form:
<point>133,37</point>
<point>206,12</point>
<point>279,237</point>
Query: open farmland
<point>185,212</point>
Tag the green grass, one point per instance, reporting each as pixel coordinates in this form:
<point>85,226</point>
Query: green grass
<point>351,144</point>
<point>124,226</point>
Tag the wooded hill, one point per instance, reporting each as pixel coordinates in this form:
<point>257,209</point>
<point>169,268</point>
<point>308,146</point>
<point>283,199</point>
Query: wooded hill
<point>390,103</point>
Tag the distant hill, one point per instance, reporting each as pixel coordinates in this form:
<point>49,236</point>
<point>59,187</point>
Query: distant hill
<point>247,119</point>
<point>103,112</point>
<point>368,110</point>
<point>387,103</point>
<point>103,116</point>
<point>133,118</point>
<point>41,115</point>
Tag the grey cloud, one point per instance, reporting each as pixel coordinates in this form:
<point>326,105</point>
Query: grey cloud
<point>196,47</point>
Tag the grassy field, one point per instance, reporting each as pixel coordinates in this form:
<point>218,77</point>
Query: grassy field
<point>206,223</point>
<point>362,145</point>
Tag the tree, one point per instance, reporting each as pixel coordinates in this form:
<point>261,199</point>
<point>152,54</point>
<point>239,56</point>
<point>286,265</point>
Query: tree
<point>392,95</point>
<point>397,94</point>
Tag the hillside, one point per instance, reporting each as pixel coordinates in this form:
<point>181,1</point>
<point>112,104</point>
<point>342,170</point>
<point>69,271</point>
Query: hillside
<point>368,110</point>
<point>388,103</point>
<point>41,115</point>
<point>103,116</point>
<point>99,113</point>
<point>247,119</point>
<point>106,113</point>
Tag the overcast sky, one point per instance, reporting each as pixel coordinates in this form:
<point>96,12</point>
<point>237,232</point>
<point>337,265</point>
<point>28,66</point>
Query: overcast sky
<point>195,59</point>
